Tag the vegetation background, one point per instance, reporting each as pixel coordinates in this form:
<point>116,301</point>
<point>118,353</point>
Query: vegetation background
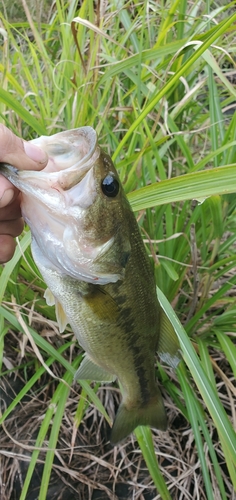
<point>157,81</point>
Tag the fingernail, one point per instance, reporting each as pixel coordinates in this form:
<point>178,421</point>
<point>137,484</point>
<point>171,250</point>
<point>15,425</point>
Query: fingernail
<point>35,153</point>
<point>6,197</point>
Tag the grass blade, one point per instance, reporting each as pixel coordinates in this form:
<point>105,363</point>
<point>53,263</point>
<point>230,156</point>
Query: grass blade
<point>198,186</point>
<point>209,395</point>
<point>144,438</point>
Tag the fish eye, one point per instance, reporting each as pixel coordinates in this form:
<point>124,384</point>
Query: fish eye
<point>110,186</point>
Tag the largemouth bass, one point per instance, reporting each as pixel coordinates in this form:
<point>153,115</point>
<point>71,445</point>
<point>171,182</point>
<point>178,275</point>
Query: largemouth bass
<point>87,245</point>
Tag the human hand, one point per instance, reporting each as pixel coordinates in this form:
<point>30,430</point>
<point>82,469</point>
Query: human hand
<point>22,155</point>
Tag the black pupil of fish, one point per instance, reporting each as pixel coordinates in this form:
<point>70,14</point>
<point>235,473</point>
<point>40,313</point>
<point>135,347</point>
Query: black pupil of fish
<point>110,186</point>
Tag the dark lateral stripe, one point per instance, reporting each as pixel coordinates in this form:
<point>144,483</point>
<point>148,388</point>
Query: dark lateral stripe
<point>132,337</point>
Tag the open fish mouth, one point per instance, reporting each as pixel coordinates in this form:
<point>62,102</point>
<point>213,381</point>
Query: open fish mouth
<point>58,203</point>
<point>71,156</point>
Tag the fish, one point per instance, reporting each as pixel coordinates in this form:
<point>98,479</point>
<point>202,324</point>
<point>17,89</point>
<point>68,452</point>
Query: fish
<point>88,247</point>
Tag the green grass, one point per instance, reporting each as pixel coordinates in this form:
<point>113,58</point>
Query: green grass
<point>156,81</point>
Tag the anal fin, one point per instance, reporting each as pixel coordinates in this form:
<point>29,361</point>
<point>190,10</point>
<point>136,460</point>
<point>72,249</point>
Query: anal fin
<point>88,370</point>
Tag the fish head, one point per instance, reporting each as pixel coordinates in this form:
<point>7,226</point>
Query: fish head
<point>76,207</point>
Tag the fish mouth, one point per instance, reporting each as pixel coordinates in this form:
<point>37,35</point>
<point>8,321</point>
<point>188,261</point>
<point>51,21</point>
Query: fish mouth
<point>71,155</point>
<point>57,201</point>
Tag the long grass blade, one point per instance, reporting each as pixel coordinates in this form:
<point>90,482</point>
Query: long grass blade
<point>197,186</point>
<point>210,397</point>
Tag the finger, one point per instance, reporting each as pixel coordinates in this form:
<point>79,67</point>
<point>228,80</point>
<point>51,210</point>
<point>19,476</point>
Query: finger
<point>7,248</point>
<point>12,227</point>
<point>21,154</point>
<point>8,193</point>
<point>12,210</point>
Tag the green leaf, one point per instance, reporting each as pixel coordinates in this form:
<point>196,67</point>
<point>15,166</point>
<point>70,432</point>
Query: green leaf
<point>172,81</point>
<point>144,437</point>
<point>197,186</point>
<point>229,349</point>
<point>21,111</point>
<point>207,391</point>
<point>9,267</point>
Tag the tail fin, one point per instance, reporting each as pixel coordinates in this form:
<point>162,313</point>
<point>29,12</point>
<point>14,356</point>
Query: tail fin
<point>153,414</point>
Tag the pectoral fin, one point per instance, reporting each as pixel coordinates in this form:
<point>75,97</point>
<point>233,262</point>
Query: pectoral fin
<point>168,346</point>
<point>49,297</point>
<point>102,304</point>
<point>88,370</point>
<point>60,313</point>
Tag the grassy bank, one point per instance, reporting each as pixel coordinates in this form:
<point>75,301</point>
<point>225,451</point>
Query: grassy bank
<point>157,82</point>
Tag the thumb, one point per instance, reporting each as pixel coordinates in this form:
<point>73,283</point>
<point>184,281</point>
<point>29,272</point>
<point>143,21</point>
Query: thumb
<point>21,154</point>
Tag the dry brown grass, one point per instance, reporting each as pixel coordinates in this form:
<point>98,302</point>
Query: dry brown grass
<point>85,465</point>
